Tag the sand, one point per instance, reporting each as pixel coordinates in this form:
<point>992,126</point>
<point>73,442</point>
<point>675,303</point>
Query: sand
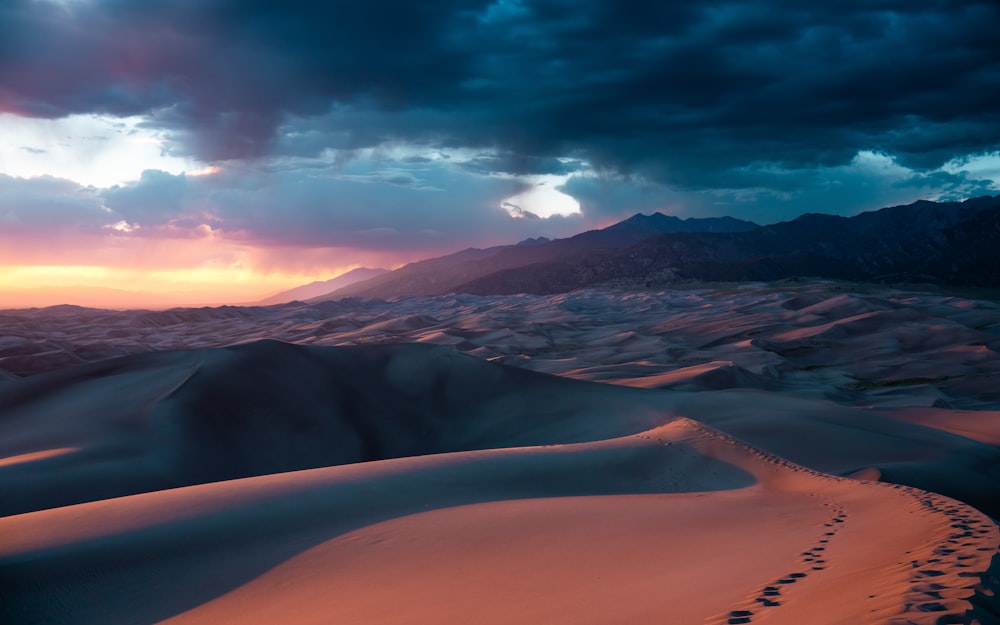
<point>773,455</point>
<point>680,523</point>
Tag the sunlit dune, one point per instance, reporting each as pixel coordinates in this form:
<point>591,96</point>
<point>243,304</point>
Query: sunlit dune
<point>35,455</point>
<point>678,523</point>
<point>979,425</point>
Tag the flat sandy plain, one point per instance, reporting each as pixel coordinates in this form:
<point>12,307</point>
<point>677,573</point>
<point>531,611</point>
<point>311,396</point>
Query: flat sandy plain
<point>793,453</point>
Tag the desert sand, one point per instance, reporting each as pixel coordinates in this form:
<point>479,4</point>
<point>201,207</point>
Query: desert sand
<point>760,453</point>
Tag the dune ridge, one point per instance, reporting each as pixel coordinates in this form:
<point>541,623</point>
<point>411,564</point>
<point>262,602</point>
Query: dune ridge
<point>464,529</point>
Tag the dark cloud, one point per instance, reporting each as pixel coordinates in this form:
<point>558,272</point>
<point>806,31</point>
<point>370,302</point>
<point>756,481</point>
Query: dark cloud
<point>612,198</point>
<point>516,164</point>
<point>434,210</point>
<point>948,187</point>
<point>157,198</point>
<point>685,93</point>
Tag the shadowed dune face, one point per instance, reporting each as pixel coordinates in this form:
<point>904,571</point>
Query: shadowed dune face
<point>355,404</point>
<point>163,420</point>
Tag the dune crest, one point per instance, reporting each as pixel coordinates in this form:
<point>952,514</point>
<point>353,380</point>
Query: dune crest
<point>670,524</point>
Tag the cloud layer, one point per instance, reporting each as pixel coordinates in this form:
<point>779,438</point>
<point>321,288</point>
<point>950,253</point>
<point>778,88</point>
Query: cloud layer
<point>683,92</point>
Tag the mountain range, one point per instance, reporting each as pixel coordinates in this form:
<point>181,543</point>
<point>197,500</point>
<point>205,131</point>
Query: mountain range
<point>447,274</point>
<point>322,287</point>
<point>948,243</point>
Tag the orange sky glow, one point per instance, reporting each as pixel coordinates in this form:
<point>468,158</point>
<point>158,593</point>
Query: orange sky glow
<point>118,287</point>
<point>167,273</point>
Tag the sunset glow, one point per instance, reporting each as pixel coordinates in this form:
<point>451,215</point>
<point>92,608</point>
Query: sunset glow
<point>210,170</point>
<point>202,154</point>
<point>116,287</point>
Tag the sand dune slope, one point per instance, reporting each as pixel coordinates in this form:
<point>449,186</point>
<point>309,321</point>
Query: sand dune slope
<point>845,440</point>
<point>854,344</point>
<point>680,524</point>
<point>168,419</point>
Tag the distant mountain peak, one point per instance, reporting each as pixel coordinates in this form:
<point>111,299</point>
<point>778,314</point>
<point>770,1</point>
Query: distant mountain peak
<point>323,287</point>
<point>652,217</point>
<point>659,223</point>
<point>535,241</point>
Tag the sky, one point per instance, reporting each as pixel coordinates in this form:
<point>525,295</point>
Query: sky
<point>217,151</point>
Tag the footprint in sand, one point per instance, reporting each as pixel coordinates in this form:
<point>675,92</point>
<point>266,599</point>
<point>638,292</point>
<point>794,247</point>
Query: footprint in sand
<point>950,554</point>
<point>768,596</point>
<point>791,578</point>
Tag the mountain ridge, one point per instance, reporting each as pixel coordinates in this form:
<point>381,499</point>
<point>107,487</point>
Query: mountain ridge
<point>437,276</point>
<point>320,287</point>
<point>945,243</point>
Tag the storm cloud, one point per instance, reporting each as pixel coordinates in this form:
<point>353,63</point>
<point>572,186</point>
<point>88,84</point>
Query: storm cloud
<point>682,93</point>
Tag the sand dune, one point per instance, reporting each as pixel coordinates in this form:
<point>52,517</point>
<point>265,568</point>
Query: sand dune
<point>679,523</point>
<point>979,425</point>
<point>368,471</point>
<point>856,345</point>
<point>169,419</point>
<point>843,440</point>
<point>713,375</point>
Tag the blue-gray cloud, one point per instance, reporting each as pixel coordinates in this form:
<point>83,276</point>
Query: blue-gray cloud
<point>45,206</point>
<point>429,209</point>
<point>685,93</point>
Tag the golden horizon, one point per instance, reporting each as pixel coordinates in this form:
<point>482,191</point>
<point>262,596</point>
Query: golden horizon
<point>39,286</point>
